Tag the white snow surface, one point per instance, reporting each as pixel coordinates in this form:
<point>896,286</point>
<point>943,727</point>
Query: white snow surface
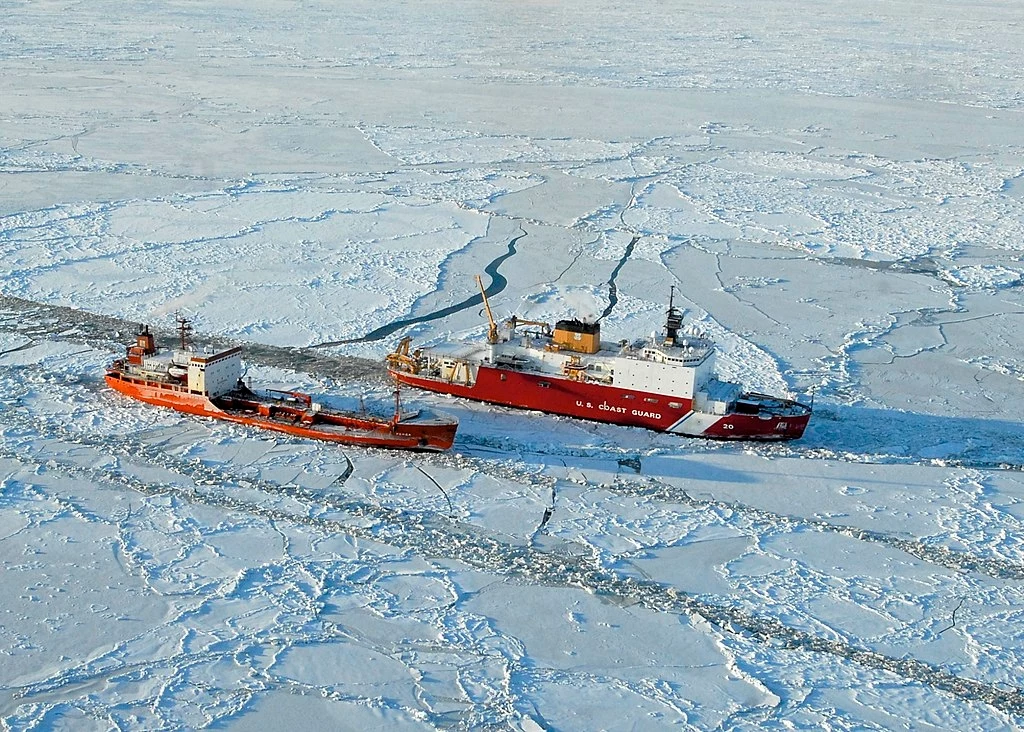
<point>835,191</point>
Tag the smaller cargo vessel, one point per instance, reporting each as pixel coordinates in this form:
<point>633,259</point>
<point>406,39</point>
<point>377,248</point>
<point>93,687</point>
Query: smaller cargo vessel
<point>210,385</point>
<point>666,384</point>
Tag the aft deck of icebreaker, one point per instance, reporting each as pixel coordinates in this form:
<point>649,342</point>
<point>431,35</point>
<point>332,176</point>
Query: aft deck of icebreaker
<point>462,350</point>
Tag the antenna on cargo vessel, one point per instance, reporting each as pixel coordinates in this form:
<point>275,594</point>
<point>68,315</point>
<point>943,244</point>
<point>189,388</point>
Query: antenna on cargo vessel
<point>184,330</point>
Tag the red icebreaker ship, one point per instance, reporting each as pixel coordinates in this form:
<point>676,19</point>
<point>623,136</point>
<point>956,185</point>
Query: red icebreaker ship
<point>665,384</point>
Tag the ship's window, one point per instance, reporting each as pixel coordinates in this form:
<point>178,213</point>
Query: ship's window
<point>628,396</point>
<point>543,384</point>
<point>651,400</point>
<point>675,405</point>
<point>502,376</point>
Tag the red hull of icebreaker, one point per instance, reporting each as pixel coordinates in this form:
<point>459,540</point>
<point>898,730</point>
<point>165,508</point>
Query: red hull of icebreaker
<point>603,403</point>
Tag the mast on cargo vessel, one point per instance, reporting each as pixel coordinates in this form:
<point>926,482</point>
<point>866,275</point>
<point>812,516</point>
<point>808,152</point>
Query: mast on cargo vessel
<point>184,330</point>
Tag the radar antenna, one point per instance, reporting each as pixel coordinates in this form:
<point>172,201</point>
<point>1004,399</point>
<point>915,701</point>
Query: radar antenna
<point>673,319</point>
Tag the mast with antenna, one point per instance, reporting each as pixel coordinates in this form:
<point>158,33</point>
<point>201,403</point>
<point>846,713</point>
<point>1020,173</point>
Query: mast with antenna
<point>184,330</point>
<point>673,319</point>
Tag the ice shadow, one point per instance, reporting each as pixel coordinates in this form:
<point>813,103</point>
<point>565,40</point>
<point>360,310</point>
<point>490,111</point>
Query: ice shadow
<point>914,437</point>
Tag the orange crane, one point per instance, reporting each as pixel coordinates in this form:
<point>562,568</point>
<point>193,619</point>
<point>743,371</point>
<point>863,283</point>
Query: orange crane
<point>492,331</point>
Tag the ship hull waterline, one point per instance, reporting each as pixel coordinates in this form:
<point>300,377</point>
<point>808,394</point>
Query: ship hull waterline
<point>360,430</point>
<point>603,403</point>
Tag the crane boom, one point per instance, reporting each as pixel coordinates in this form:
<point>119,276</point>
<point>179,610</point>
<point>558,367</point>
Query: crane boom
<point>492,331</point>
